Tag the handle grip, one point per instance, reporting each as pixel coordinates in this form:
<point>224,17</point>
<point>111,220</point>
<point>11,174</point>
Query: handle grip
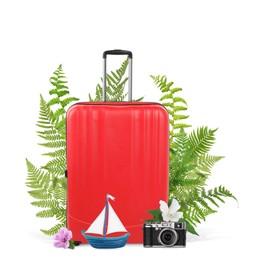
<point>118,52</point>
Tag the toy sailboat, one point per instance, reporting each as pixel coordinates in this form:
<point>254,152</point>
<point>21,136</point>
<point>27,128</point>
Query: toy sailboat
<point>106,223</point>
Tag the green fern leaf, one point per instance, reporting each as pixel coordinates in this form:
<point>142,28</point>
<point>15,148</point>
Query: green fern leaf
<point>54,137</point>
<point>202,140</point>
<point>56,144</point>
<point>45,214</point>
<point>168,105</point>
<point>220,192</point>
<point>57,153</point>
<point>59,112</point>
<point>138,99</point>
<point>112,80</point>
<point>56,166</point>
<point>61,215</point>
<point>174,90</point>
<point>180,117</point>
<point>121,71</point>
<point>60,90</point>
<point>115,78</point>
<point>179,100</point>
<point>46,121</point>
<point>60,193</point>
<point>172,104</point>
<point>179,126</point>
<point>45,115</point>
<point>195,205</point>
<point>40,194</point>
<point>48,186</point>
<point>59,93</point>
<point>68,101</point>
<point>115,88</point>
<point>90,98</point>
<point>206,162</point>
<point>54,101</point>
<point>54,230</point>
<point>35,177</point>
<point>179,108</point>
<point>61,127</point>
<point>47,132</point>
<point>166,96</point>
<point>45,203</point>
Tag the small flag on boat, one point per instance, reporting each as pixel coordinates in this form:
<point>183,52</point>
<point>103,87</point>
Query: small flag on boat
<point>110,197</point>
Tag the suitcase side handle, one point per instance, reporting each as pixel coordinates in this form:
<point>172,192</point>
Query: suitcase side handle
<point>117,52</point>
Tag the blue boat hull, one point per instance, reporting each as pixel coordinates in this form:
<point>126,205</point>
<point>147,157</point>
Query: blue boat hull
<point>106,242</point>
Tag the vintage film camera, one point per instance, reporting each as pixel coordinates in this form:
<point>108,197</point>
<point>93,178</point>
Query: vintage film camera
<point>165,234</point>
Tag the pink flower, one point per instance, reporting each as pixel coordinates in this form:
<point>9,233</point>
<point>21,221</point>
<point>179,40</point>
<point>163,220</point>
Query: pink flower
<point>61,239</point>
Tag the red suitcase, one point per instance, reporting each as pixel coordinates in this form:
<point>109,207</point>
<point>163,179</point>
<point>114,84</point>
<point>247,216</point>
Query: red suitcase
<point>117,148</point>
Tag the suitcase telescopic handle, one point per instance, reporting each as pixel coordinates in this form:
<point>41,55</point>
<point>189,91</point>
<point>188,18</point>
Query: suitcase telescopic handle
<point>117,52</point>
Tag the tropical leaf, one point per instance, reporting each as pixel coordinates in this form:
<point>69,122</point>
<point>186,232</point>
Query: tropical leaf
<point>45,203</point>
<point>115,89</point>
<point>206,162</point>
<point>47,184</point>
<point>57,153</point>
<point>56,165</point>
<point>60,92</point>
<point>202,140</point>
<point>54,144</point>
<point>45,214</point>
<point>54,230</point>
<point>173,104</point>
<point>198,204</point>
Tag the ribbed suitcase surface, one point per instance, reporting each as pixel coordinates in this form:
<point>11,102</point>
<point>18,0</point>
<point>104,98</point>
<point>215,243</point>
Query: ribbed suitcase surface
<point>117,148</point>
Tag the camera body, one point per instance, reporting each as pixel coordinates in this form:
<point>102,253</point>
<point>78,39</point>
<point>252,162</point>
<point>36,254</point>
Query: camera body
<point>164,234</point>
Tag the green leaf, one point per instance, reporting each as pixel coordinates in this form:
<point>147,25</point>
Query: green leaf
<point>45,203</point>
<point>174,90</point>
<point>54,230</point>
<point>115,89</point>
<point>180,117</point>
<point>202,140</point>
<point>45,214</point>
<point>138,99</point>
<point>54,144</point>
<point>47,184</point>
<point>56,166</point>
<point>180,100</point>
<point>40,194</point>
<point>57,153</point>
<point>189,227</point>
<point>60,91</point>
<point>179,108</point>
<point>166,96</point>
<point>71,244</point>
<point>206,162</point>
<point>180,126</point>
<point>169,103</point>
<point>157,215</point>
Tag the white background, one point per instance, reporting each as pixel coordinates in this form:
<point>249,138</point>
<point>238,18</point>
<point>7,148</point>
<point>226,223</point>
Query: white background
<point>209,48</point>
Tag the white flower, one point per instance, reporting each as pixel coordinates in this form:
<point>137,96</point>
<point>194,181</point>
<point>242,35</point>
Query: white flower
<point>171,213</point>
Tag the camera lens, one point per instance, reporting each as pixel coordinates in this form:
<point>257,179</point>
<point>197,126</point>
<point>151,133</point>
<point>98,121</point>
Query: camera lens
<point>168,237</point>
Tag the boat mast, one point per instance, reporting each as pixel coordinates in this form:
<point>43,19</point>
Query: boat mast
<point>106,216</point>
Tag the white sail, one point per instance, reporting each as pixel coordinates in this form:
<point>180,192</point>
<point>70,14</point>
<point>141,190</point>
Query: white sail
<point>114,223</point>
<point>97,225</point>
